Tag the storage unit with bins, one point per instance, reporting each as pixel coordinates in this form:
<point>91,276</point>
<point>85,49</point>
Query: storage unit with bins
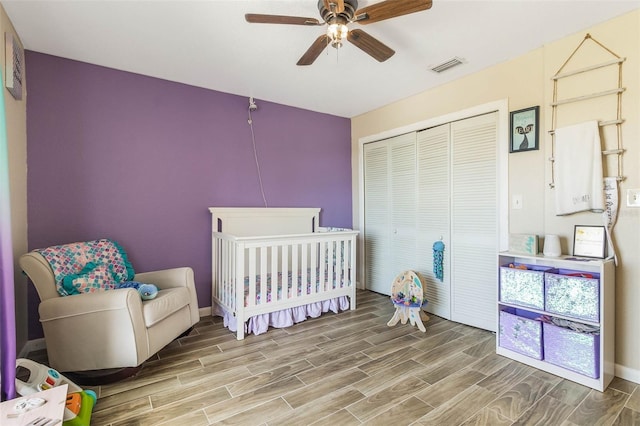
<point>579,291</point>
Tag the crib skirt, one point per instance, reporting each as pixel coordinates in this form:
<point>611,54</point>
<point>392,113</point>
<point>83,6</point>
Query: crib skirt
<point>259,324</point>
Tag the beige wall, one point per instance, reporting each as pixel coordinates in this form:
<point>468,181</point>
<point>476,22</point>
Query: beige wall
<point>16,112</point>
<point>526,81</point>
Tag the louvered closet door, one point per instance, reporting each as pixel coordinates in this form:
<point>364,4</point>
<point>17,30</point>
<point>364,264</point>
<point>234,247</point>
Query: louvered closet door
<point>389,210</point>
<point>403,206</point>
<point>433,214</point>
<point>376,214</point>
<point>474,223</point>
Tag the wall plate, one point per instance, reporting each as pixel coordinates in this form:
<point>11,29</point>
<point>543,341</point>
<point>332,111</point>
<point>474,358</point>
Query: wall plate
<point>633,197</point>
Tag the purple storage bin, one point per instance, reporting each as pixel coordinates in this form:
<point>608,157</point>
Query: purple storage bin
<point>572,350</point>
<point>521,333</point>
<point>573,296</point>
<point>523,287</point>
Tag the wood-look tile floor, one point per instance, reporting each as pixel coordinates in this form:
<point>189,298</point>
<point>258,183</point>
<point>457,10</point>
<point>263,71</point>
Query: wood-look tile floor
<point>351,369</point>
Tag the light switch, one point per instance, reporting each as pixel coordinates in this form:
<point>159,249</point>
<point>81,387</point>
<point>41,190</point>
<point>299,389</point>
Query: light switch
<point>633,197</point>
<point>516,202</point>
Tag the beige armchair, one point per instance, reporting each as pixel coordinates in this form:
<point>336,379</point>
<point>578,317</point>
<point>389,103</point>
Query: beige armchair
<point>114,328</point>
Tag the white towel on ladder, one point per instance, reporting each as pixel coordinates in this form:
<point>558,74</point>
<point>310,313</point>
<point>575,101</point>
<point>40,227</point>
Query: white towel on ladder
<point>578,169</point>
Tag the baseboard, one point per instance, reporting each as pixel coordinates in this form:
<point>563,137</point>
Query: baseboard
<point>31,346</point>
<point>205,312</point>
<point>627,373</point>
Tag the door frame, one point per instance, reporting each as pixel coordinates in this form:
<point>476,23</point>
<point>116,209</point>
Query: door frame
<point>502,155</point>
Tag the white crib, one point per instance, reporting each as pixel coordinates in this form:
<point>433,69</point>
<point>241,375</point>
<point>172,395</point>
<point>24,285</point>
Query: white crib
<point>273,260</point>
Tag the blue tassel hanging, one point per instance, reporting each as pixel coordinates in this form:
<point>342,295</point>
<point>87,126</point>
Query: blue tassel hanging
<point>438,260</point>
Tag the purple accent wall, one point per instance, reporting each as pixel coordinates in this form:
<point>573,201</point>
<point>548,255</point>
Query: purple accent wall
<point>139,160</point>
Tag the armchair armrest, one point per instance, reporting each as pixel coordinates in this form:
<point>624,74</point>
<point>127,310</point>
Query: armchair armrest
<point>89,303</point>
<point>168,278</point>
<point>95,330</point>
<point>172,278</point>
<point>40,273</point>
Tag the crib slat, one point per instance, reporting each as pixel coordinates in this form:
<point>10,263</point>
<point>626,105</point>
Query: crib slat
<point>239,288</point>
<point>223,270</point>
<point>332,258</point>
<point>304,271</point>
<point>231,274</point>
<point>314,268</point>
<point>223,289</point>
<point>324,253</point>
<point>251,301</point>
<point>276,285</point>
<point>264,276</point>
<point>335,277</point>
<point>223,278</point>
<point>284,253</point>
<point>295,272</point>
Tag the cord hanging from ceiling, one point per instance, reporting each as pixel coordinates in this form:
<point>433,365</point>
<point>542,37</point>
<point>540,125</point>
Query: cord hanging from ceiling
<point>253,107</point>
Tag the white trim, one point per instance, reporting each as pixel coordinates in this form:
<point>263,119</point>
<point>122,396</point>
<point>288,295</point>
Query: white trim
<point>502,108</point>
<point>205,312</point>
<point>499,105</point>
<point>360,250</point>
<point>627,373</point>
<point>503,174</point>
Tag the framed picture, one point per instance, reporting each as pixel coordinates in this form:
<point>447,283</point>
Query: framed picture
<point>14,70</point>
<point>589,241</point>
<point>524,130</point>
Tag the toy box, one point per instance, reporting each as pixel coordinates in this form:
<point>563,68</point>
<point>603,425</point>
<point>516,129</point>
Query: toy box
<point>523,287</point>
<point>520,332</point>
<point>572,350</point>
<point>573,294</point>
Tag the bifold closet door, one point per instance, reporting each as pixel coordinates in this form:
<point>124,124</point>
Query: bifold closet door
<point>474,220</point>
<point>433,201</point>
<point>438,184</point>
<point>390,210</point>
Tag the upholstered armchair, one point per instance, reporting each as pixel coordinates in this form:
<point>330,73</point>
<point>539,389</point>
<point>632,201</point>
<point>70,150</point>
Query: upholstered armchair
<point>89,323</point>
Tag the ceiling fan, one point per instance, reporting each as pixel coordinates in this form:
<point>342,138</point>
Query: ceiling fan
<point>337,14</point>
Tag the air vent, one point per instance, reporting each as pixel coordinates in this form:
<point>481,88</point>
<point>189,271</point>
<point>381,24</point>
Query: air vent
<point>447,64</point>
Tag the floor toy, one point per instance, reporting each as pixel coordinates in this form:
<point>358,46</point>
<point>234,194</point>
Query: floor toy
<point>79,403</point>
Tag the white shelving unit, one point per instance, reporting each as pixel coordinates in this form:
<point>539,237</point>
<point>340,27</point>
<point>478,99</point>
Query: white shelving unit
<point>606,271</point>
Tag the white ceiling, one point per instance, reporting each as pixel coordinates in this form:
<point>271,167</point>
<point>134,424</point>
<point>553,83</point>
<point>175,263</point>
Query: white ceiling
<point>208,44</point>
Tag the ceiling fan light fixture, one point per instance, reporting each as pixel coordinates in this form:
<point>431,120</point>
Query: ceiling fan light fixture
<point>337,14</point>
<point>336,33</point>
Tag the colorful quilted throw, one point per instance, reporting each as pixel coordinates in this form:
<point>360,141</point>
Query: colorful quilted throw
<point>438,260</point>
<point>85,267</point>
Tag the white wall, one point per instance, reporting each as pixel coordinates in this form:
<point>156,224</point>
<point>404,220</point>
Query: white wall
<point>526,81</point>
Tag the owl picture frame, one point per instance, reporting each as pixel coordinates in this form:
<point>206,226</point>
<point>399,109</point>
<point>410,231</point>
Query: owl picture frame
<point>524,125</point>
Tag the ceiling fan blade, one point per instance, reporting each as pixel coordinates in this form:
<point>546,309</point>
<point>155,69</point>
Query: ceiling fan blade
<point>390,9</point>
<point>256,18</point>
<point>370,45</point>
<point>314,51</point>
<point>339,5</point>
